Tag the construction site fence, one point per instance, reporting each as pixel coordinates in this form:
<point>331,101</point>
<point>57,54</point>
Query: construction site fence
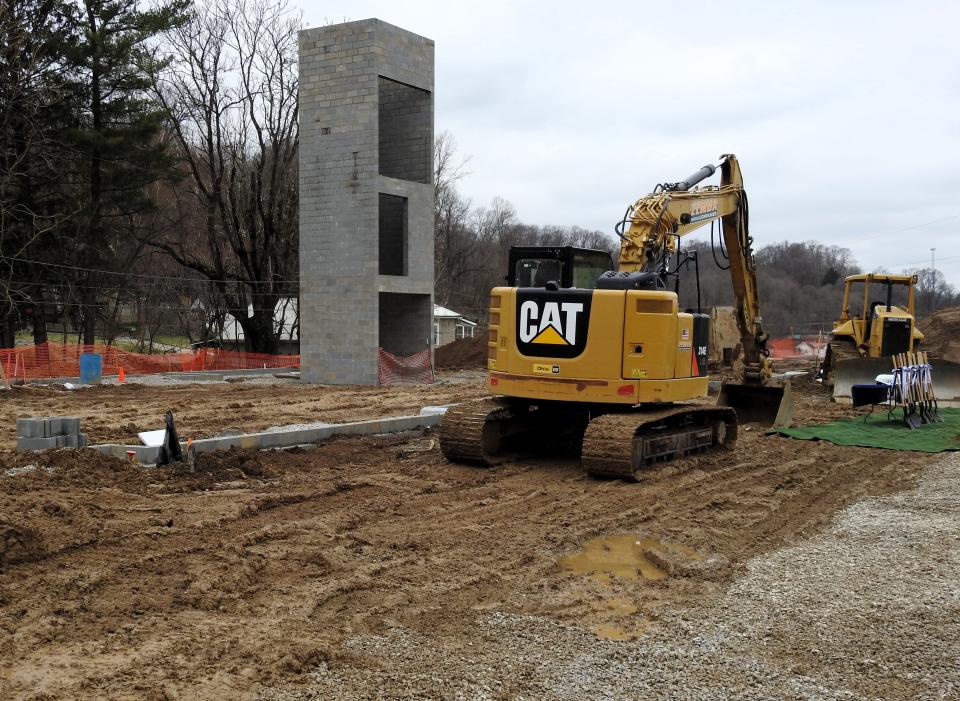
<point>781,355</point>
<point>412,369</point>
<point>63,360</point>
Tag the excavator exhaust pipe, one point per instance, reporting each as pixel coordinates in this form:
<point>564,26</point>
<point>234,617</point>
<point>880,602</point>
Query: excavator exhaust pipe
<point>771,406</point>
<point>864,371</point>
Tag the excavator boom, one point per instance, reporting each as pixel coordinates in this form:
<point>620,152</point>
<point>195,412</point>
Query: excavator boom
<point>659,220</point>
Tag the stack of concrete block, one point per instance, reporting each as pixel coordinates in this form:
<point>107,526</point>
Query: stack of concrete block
<point>50,432</point>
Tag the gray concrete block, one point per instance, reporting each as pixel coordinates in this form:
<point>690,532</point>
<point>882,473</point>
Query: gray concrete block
<point>70,425</point>
<point>25,444</point>
<point>55,424</point>
<point>30,428</point>
<point>82,440</point>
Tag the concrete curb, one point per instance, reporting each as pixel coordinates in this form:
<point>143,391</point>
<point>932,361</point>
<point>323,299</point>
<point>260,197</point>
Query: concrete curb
<point>147,455</point>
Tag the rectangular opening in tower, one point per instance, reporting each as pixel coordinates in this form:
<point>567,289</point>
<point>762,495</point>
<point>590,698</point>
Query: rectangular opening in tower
<point>406,131</point>
<point>406,321</point>
<point>393,235</point>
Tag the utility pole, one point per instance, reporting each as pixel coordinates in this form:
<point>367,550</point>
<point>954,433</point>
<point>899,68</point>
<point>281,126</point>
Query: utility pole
<point>933,259</point>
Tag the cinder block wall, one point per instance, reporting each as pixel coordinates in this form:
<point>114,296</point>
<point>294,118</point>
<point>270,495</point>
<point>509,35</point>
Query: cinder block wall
<point>366,128</point>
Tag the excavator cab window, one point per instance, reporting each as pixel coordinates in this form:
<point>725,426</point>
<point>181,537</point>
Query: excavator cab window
<point>588,266</point>
<point>568,266</point>
<point>537,272</point>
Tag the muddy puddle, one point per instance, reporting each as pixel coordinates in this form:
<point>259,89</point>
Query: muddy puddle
<point>621,555</point>
<point>625,557</point>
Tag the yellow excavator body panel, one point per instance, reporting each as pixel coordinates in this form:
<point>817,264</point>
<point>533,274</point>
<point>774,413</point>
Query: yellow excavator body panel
<point>596,346</point>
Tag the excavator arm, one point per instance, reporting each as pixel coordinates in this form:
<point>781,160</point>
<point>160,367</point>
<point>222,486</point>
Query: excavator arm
<point>654,224</point>
<point>650,233</point>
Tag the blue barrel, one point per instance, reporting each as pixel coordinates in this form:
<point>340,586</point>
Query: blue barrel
<point>91,368</point>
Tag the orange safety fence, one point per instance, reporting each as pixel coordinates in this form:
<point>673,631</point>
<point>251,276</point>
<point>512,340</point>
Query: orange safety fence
<point>412,369</point>
<point>63,360</point>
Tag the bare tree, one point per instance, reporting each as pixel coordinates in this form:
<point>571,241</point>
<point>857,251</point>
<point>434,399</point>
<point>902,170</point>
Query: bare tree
<point>456,253</point>
<point>933,291</point>
<point>231,94</point>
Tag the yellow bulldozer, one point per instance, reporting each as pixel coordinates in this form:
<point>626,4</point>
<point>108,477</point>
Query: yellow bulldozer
<point>606,360</point>
<point>875,325</point>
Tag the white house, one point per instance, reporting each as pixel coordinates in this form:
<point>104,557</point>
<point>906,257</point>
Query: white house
<point>448,326</point>
<point>286,321</point>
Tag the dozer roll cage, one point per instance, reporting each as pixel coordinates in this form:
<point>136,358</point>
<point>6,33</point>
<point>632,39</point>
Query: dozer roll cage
<point>869,279</point>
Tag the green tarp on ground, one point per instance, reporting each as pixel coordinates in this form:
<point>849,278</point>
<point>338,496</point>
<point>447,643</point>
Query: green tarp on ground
<point>880,432</point>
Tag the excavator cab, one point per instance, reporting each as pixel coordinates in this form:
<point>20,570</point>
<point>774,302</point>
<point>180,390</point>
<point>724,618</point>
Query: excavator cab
<point>567,266</point>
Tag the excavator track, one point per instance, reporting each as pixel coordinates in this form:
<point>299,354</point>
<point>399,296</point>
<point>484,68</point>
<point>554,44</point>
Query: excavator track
<point>625,446</point>
<point>474,432</point>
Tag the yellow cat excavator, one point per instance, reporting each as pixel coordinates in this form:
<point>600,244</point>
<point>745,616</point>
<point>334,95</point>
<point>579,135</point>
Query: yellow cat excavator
<point>584,355</point>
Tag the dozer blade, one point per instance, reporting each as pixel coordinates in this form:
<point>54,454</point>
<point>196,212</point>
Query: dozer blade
<point>946,382</point>
<point>857,371</point>
<point>864,371</point>
<point>768,405</point>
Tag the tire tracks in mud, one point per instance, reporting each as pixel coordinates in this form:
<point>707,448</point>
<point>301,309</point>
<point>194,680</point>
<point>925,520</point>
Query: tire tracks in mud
<point>259,581</point>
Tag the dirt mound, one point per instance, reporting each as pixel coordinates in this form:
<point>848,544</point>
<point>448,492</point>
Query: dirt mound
<point>462,354</point>
<point>19,544</point>
<point>942,334</point>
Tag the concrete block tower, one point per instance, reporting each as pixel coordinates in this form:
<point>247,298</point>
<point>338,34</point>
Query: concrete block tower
<point>366,198</point>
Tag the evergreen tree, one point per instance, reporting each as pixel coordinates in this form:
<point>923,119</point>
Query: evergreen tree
<point>117,137</point>
<point>33,38</point>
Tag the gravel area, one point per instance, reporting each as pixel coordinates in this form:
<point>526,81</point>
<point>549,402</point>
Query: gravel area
<point>869,609</point>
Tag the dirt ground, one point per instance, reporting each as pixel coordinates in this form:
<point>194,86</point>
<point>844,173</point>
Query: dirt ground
<point>121,582</point>
<point>116,413</point>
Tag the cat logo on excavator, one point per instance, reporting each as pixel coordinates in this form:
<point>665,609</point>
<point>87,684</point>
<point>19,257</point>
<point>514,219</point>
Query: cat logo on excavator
<point>557,325</point>
<point>552,324</point>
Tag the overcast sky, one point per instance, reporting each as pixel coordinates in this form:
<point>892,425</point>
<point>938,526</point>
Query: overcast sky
<point>845,115</point>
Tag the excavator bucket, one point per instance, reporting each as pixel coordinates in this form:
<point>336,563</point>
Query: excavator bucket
<point>864,371</point>
<point>768,405</point>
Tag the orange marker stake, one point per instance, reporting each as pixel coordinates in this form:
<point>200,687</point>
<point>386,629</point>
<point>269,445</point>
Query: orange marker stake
<point>123,376</point>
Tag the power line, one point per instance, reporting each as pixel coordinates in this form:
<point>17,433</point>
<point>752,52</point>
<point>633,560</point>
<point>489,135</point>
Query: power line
<point>136,291</point>
<point>139,275</point>
<point>907,228</point>
<point>939,260</point>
